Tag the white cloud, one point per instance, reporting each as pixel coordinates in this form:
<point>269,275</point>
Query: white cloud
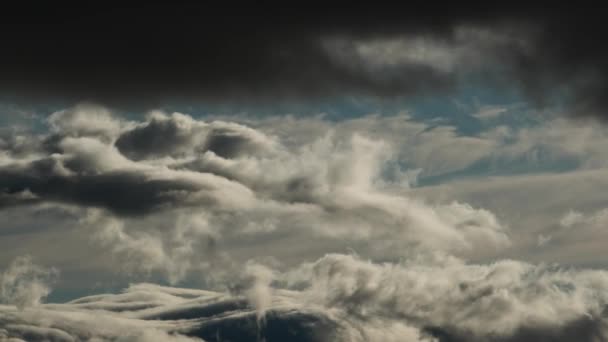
<point>341,298</point>
<point>86,120</point>
<point>25,284</point>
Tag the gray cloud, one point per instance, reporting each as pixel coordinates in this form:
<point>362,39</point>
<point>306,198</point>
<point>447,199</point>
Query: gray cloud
<point>180,135</point>
<point>125,192</point>
<point>161,136</point>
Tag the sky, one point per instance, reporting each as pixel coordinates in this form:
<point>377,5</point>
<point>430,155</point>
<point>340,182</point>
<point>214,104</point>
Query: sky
<point>176,172</point>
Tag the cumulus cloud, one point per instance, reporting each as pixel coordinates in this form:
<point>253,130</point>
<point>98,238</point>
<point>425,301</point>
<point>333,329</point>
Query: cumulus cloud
<point>85,120</point>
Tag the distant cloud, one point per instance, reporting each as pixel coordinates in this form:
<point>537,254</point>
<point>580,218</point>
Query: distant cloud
<point>489,112</point>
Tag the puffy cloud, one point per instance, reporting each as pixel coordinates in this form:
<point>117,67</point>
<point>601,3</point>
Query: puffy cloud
<point>180,135</point>
<point>161,135</point>
<point>24,283</point>
<point>228,140</point>
<point>91,172</point>
<point>85,120</point>
<point>482,301</point>
<point>259,291</point>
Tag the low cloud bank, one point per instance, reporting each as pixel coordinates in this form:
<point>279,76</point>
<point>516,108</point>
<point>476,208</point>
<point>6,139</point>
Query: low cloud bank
<point>341,298</point>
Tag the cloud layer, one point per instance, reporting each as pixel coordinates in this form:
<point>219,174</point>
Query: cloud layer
<point>167,202</point>
<point>148,55</point>
<point>341,298</point>
<point>263,211</point>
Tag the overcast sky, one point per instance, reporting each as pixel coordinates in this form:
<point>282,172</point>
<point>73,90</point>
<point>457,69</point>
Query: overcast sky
<point>177,172</point>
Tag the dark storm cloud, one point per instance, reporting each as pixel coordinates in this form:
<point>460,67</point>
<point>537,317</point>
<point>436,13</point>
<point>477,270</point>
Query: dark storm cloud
<point>114,183</point>
<point>178,134</point>
<point>153,53</point>
<point>126,192</point>
<point>160,136</point>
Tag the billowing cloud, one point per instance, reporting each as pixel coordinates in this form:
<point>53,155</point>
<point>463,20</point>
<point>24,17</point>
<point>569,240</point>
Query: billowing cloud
<point>245,206</point>
<point>237,180</point>
<point>25,284</point>
<point>180,135</point>
<point>342,298</point>
<point>85,120</point>
<point>173,205</point>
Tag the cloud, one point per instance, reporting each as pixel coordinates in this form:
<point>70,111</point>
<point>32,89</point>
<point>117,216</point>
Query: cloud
<point>161,136</point>
<point>576,231</point>
<point>24,284</point>
<point>286,190</point>
<point>182,210</point>
<point>180,135</point>
<point>343,298</point>
<point>429,60</point>
<point>240,179</point>
<point>503,301</point>
<point>490,112</point>
<point>378,52</point>
<point>85,120</point>
<point>88,170</point>
<point>537,206</point>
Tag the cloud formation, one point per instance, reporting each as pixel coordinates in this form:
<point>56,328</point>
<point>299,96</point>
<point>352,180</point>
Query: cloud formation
<point>25,284</point>
<point>273,194</point>
<point>342,298</point>
<point>170,206</point>
<point>148,55</point>
<point>218,179</point>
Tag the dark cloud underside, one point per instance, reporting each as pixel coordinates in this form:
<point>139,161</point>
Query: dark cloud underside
<point>149,54</point>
